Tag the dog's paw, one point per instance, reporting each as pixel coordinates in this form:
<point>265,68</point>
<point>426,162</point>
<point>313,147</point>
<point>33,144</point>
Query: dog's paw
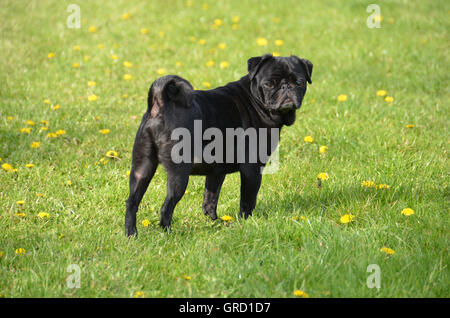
<point>131,231</point>
<point>245,214</point>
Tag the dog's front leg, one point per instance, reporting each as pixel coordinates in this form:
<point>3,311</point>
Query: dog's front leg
<point>250,183</point>
<point>213,184</point>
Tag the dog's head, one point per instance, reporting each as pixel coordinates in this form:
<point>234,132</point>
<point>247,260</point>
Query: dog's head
<point>279,83</point>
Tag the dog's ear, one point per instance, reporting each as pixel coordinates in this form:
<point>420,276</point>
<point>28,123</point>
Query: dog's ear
<point>179,91</point>
<point>307,66</point>
<point>255,63</point>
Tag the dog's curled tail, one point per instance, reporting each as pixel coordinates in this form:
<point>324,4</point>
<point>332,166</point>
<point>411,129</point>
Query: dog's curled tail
<point>170,89</point>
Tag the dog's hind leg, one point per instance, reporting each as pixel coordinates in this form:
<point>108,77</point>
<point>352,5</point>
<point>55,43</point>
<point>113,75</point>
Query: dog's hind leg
<point>177,180</point>
<point>213,184</point>
<point>144,164</point>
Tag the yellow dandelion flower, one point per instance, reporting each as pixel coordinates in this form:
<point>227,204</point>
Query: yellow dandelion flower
<point>144,31</point>
<point>51,55</point>
<point>114,57</point>
<point>92,98</point>
<point>222,46</point>
<point>347,218</point>
<point>47,101</point>
<point>342,98</point>
<point>52,135</point>
<point>227,218</point>
<point>323,149</point>
<point>128,77</point>
<point>76,65</point>
<point>20,202</point>
<point>161,71</point>
<point>128,173</point>
<point>29,165</point>
<point>40,195</point>
<point>161,34</point>
<point>44,122</point>
<point>35,144</point>
<point>322,176</point>
<point>301,293</point>
<point>235,26</point>
<point>10,117</point>
<point>20,251</point>
<point>56,107</point>
<point>30,122</point>
<point>210,63</point>
<point>101,46</point>
<point>205,6</point>
<point>224,64</point>
<point>69,183</point>
<point>408,211</point>
<point>279,42</point>
<point>60,132</point>
<point>92,84</point>
<point>206,84</point>
<point>145,223</point>
<point>139,294</point>
<point>410,126</point>
<point>7,167</point>
<point>105,131</point>
<point>25,130</point>
<point>127,64</point>
<point>126,16</point>
<point>261,41</point>
<point>92,29</point>
<point>389,99</point>
<point>86,58</point>
<point>275,54</point>
<point>308,139</point>
<point>383,186</point>
<point>43,215</point>
<point>388,250</point>
<point>235,19</point>
<point>378,18</point>
<point>112,154</point>
<point>178,64</point>
<point>202,41</point>
<point>381,93</point>
<point>186,277</point>
<point>21,214</point>
<point>76,47</point>
<point>368,184</point>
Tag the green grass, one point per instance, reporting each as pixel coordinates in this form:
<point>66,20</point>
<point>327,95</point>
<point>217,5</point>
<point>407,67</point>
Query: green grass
<point>269,255</point>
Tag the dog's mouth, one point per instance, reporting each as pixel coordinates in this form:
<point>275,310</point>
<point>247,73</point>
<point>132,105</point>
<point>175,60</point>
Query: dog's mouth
<point>287,106</point>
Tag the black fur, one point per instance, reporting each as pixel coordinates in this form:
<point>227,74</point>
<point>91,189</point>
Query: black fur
<point>265,98</point>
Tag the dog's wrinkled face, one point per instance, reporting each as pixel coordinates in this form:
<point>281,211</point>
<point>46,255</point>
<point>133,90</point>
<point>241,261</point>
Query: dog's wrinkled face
<point>279,83</point>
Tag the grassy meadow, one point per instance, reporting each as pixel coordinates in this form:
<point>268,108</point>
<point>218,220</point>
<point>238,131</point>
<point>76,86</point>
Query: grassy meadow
<point>71,100</point>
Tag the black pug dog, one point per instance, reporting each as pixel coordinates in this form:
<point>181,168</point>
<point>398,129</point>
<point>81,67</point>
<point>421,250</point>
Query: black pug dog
<point>267,97</point>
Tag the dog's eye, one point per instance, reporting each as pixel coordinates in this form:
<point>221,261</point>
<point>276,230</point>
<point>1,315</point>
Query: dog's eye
<point>300,83</point>
<point>270,84</point>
